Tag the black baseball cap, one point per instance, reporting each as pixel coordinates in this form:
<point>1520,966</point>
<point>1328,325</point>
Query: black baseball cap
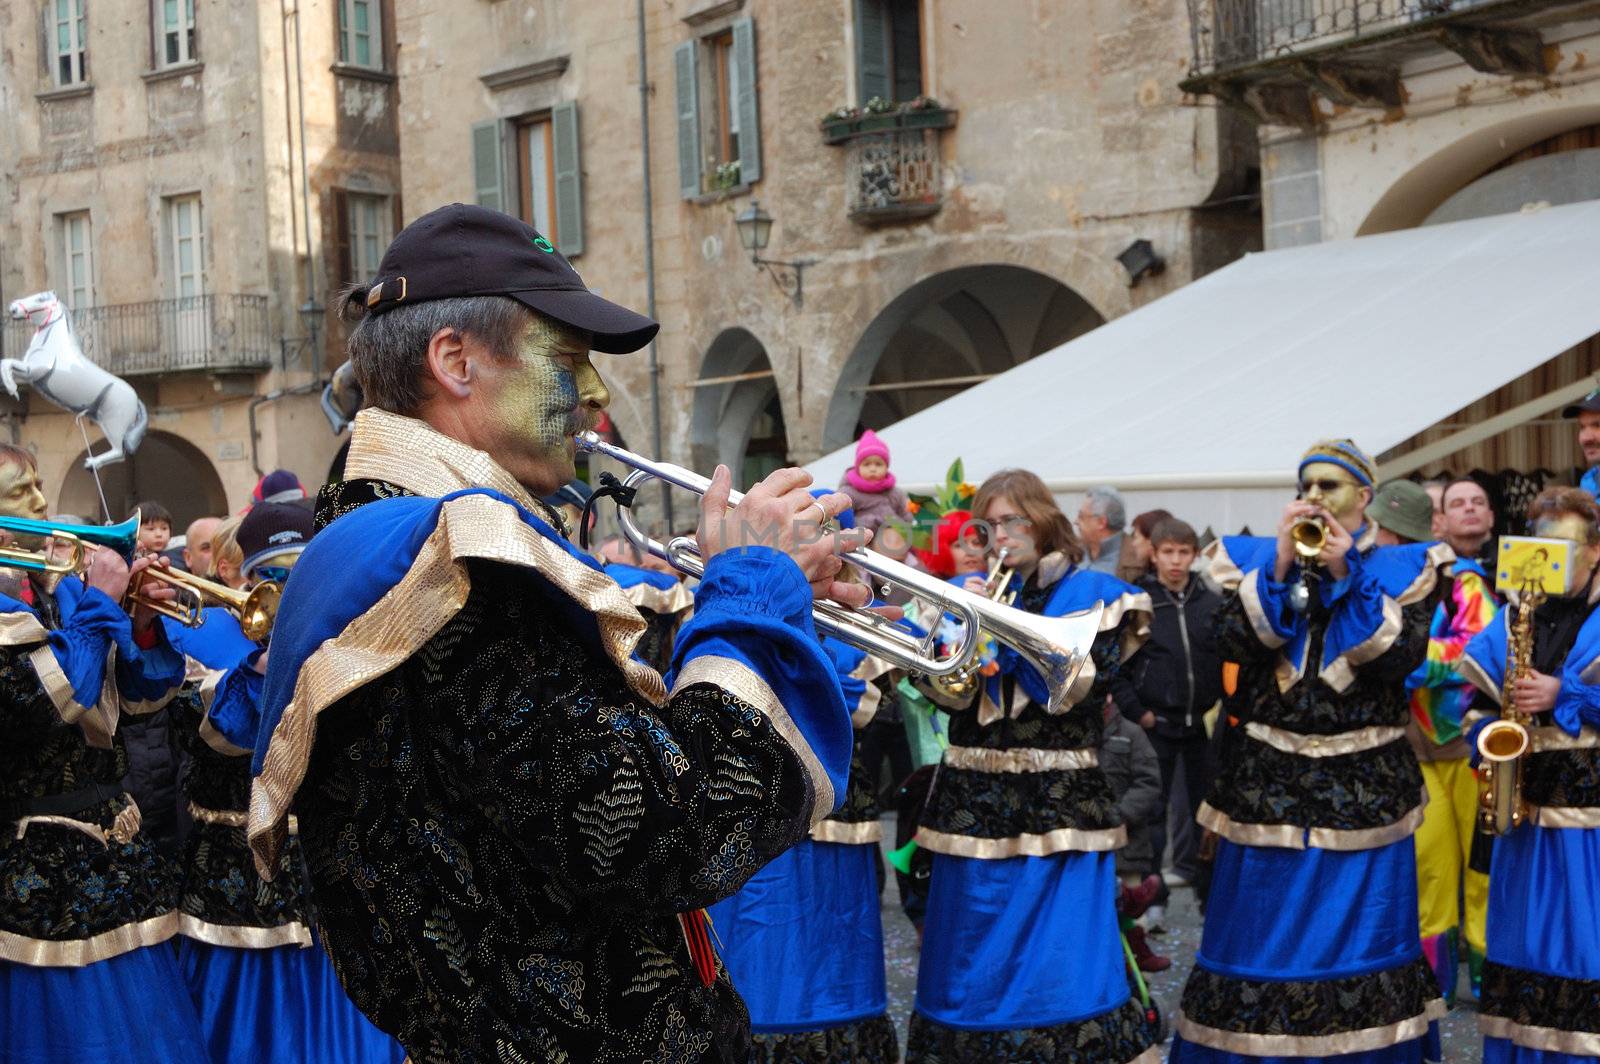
<point>464,250</point>
<point>273,528</point>
<point>1589,402</point>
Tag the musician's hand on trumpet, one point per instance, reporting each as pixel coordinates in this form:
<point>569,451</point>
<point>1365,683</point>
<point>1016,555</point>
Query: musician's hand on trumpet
<point>780,513</point>
<point>107,572</point>
<point>1336,541</point>
<point>143,614</point>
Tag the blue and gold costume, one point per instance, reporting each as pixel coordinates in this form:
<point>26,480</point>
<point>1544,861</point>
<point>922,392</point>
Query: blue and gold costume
<point>664,602</point>
<point>87,906</point>
<point>1540,1002</point>
<point>503,811</point>
<point>1314,805</point>
<point>265,990</point>
<point>803,938</point>
<point>1021,956</point>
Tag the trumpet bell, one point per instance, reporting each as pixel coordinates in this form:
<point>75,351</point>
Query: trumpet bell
<point>121,538</point>
<point>1310,536</point>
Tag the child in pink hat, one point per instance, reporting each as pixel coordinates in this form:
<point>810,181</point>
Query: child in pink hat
<point>871,488</point>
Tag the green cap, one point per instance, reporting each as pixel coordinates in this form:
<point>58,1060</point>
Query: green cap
<point>1405,509</point>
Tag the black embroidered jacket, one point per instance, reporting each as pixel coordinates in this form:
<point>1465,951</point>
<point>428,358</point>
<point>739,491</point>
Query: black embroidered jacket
<point>500,834</point>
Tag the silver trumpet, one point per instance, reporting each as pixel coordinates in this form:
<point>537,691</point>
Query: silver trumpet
<point>1056,647</point>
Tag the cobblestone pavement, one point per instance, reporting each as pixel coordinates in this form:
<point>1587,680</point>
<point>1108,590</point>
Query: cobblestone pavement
<point>1458,1032</point>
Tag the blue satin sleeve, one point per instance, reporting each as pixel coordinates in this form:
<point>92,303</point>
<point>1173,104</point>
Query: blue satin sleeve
<point>148,674</point>
<point>90,624</point>
<point>1274,598</point>
<point>236,704</point>
<point>1577,703</point>
<point>846,659</point>
<point>754,606</point>
<point>1356,602</point>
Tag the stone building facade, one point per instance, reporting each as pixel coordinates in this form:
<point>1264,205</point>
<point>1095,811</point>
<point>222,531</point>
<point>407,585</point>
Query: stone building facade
<point>972,218</point>
<point>154,169</point>
<point>1382,115</point>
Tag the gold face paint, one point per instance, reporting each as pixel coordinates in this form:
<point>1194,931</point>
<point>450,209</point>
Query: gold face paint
<point>21,495</point>
<point>1575,530</point>
<point>551,393</point>
<point>1333,489</point>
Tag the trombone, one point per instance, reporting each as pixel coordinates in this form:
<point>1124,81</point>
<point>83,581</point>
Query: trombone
<point>256,609</point>
<point>1056,647</point>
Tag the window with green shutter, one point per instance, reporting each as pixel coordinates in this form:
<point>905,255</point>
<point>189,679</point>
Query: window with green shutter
<point>719,118</point>
<point>888,50</point>
<point>686,75</point>
<point>569,178</point>
<point>486,168</point>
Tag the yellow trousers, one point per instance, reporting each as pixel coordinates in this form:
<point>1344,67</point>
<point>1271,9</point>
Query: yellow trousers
<point>1444,882</point>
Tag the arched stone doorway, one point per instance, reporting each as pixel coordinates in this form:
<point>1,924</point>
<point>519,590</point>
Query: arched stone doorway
<point>1468,158</point>
<point>738,418</point>
<point>1557,170</point>
<point>166,468</point>
<point>946,333</point>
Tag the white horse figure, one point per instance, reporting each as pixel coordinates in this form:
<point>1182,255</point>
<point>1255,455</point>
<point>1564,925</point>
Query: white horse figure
<point>55,366</point>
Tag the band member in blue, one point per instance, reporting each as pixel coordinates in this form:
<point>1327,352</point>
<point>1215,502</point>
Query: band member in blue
<point>660,597</point>
<point>1541,977</point>
<point>512,825</point>
<point>1311,948</point>
<point>263,987</point>
<point>87,906</point>
<point>803,939</point>
<point>1021,955</point>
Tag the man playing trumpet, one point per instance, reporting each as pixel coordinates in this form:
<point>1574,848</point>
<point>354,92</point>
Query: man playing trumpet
<point>510,822</point>
<point>1311,949</point>
<point>86,902</point>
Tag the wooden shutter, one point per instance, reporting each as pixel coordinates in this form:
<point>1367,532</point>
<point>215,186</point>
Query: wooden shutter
<point>872,51</point>
<point>343,256</point>
<point>906,22</point>
<point>569,178</point>
<point>744,58</point>
<point>486,168</point>
<point>688,78</point>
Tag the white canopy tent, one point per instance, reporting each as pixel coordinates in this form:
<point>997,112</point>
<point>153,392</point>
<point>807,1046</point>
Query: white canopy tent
<point>1203,401</point>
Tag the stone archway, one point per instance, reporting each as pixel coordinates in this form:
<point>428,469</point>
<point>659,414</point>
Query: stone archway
<point>166,468</point>
<point>944,333</point>
<point>1421,190</point>
<point>737,417</point>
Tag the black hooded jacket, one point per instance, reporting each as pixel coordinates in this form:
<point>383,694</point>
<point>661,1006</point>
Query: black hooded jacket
<point>1178,673</point>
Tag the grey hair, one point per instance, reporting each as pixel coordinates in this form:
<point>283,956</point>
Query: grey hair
<point>1106,501</point>
<point>389,351</point>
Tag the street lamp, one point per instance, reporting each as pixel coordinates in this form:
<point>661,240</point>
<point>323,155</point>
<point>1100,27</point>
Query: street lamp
<point>755,231</point>
<point>311,313</point>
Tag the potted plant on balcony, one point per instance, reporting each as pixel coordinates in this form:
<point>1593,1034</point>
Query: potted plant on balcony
<point>725,177</point>
<point>838,124</point>
<point>925,112</point>
<point>878,115</point>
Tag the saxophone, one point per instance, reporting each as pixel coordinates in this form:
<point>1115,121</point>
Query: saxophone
<point>1503,743</point>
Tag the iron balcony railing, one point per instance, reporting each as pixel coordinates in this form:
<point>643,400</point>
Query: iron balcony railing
<point>210,333</point>
<point>1235,33</point>
<point>894,176</point>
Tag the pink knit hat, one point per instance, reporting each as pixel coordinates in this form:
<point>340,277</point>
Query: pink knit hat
<point>869,446</point>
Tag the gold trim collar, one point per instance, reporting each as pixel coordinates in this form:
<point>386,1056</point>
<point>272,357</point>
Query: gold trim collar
<point>409,453</point>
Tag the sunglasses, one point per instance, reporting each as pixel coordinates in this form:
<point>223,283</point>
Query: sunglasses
<point>1326,485</point>
<point>278,573</point>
